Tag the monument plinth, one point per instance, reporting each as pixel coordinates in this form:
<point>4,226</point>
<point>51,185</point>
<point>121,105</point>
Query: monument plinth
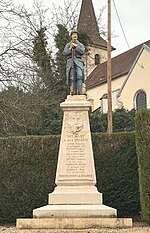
<point>75,176</point>
<point>75,202</point>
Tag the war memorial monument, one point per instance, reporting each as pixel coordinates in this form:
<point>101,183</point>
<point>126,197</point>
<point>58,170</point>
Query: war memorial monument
<point>75,202</point>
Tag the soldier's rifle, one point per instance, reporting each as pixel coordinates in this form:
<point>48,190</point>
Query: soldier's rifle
<point>73,73</point>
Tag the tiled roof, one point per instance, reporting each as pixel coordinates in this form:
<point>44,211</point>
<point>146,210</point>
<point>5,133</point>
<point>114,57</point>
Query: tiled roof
<point>121,65</point>
<point>87,23</point>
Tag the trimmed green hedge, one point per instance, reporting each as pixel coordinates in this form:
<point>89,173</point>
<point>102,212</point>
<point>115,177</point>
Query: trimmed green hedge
<point>117,172</point>
<point>28,166</point>
<point>27,173</point>
<point>143,151</point>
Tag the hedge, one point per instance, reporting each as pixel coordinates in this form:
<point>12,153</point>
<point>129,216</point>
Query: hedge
<point>117,172</point>
<point>143,151</point>
<point>28,166</point>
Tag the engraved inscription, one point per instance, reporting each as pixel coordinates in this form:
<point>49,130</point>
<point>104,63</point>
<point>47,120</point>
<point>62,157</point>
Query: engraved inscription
<point>76,164</point>
<point>76,155</point>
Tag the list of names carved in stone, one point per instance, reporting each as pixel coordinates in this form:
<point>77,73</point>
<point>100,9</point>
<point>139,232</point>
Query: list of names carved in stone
<point>76,164</point>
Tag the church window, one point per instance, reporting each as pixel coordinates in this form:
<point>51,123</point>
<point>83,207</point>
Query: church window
<point>141,100</point>
<point>97,59</point>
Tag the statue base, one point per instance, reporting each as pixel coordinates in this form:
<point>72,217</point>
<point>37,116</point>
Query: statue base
<point>74,223</point>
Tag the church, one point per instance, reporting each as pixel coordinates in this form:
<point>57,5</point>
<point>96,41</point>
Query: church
<point>130,70</point>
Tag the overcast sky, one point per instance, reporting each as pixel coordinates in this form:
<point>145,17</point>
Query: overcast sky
<point>134,16</point>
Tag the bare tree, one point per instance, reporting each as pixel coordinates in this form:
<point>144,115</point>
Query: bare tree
<point>19,29</point>
<point>26,104</point>
<point>66,15</point>
<point>23,96</point>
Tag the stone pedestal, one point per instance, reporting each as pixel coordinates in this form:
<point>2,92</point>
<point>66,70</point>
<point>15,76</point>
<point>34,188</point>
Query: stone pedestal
<point>75,197</point>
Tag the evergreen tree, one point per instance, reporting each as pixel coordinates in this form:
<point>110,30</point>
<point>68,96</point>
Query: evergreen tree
<point>42,57</point>
<point>84,38</point>
<point>51,114</point>
<point>123,120</point>
<point>61,38</point>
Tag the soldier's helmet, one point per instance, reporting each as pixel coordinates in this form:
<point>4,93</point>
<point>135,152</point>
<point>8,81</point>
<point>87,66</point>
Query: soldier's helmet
<point>74,31</point>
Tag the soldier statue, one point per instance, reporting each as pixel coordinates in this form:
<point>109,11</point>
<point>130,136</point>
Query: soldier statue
<point>75,66</point>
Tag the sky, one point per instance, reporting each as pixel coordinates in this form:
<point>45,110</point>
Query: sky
<point>133,14</point>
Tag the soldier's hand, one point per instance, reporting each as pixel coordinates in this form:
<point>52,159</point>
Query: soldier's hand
<point>72,45</point>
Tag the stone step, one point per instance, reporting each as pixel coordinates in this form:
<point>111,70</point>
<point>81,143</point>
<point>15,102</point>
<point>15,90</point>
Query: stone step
<point>73,223</point>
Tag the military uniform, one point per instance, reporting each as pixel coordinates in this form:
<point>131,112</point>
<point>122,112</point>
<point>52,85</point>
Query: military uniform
<point>79,50</point>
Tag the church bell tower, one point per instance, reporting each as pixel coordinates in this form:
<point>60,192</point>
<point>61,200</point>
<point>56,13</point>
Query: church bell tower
<point>97,47</point>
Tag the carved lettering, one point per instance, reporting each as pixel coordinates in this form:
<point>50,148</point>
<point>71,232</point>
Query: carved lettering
<point>76,149</point>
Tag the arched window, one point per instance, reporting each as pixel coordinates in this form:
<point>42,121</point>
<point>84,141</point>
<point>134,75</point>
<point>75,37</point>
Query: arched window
<point>141,100</point>
<point>97,59</point>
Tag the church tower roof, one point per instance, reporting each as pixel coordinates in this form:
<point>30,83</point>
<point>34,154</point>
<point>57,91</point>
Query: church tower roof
<point>87,23</point>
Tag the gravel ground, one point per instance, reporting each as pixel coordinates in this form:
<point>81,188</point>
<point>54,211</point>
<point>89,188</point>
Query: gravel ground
<point>137,228</point>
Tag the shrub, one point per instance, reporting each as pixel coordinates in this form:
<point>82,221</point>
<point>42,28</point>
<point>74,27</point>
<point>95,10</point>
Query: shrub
<point>143,151</point>
<point>117,172</point>
<point>27,171</point>
<point>123,121</point>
